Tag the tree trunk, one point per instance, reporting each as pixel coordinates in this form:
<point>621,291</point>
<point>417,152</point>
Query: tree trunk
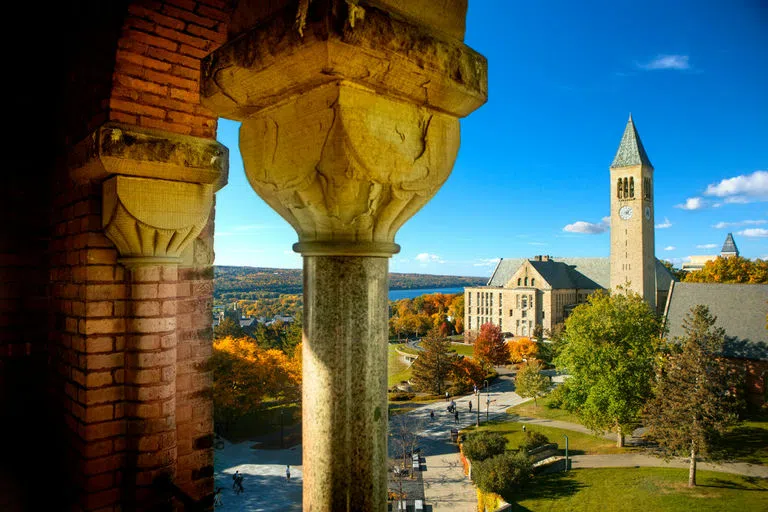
<point>692,468</point>
<point>619,437</point>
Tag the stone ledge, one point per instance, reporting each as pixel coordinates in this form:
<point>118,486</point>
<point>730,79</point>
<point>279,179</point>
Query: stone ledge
<point>127,150</point>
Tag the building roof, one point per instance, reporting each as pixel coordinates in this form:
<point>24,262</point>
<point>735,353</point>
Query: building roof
<point>740,310</point>
<point>729,247</point>
<point>571,273</point>
<point>631,150</point>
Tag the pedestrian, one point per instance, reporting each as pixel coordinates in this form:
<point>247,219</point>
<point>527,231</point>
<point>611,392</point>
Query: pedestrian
<point>288,472</point>
<point>446,396</point>
<point>470,406</point>
<point>523,428</point>
<point>456,416</point>
<point>432,415</point>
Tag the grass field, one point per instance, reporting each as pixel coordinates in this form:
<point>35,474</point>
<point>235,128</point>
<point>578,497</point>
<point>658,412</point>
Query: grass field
<point>748,442</point>
<point>641,490</point>
<point>578,443</point>
<point>542,411</point>
<point>398,369</point>
<point>462,349</point>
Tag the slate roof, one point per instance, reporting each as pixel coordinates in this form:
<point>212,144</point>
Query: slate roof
<point>740,309</point>
<point>631,150</point>
<point>569,273</point>
<point>729,247</point>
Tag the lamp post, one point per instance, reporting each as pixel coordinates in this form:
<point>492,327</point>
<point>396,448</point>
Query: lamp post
<point>477,392</point>
<point>487,399</point>
<point>566,452</point>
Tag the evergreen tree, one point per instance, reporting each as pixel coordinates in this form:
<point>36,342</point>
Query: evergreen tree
<point>228,328</point>
<point>490,348</point>
<point>530,383</point>
<point>693,400</point>
<point>435,362</point>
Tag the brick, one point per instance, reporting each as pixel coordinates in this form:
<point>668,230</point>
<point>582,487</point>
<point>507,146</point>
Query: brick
<point>212,35</point>
<point>97,379</point>
<point>176,58</point>
<point>184,4</point>
<point>139,410</point>
<point>100,344</point>
<point>169,308</point>
<point>167,103</point>
<point>146,273</point>
<point>102,325</point>
<point>169,374</point>
<point>200,43</point>
<point>122,91</point>
<point>144,291</point>
<point>122,117</point>
<point>148,376</point>
<point>180,117</point>
<point>97,449</point>
<point>102,430</point>
<point>156,17</point>
<point>156,459</point>
<point>99,273</point>
<point>193,51</point>
<point>102,361</point>
<point>98,308</point>
<point>102,292</point>
<point>142,61</point>
<point>97,483</point>
<point>166,290</point>
<point>183,95</point>
<point>150,393</point>
<point>136,108</point>
<point>153,40</point>
<point>97,413</point>
<point>145,342</point>
<point>172,80</point>
<point>222,5</point>
<point>102,465</point>
<point>164,125</point>
<point>140,85</point>
<point>103,395</point>
<point>146,308</point>
<point>135,22</point>
<point>101,256</point>
<point>153,359</point>
<point>151,325</point>
<point>184,72</point>
<point>186,15</point>
<point>213,13</point>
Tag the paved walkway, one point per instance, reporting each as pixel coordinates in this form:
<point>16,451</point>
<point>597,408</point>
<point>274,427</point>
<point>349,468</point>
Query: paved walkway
<point>630,460</point>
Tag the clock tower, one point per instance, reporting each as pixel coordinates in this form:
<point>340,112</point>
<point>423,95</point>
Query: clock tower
<point>633,254</point>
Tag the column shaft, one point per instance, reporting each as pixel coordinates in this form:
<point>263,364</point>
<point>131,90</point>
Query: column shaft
<point>345,383</point>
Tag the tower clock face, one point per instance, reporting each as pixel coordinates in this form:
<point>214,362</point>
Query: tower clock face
<point>648,212</point>
<point>625,212</point>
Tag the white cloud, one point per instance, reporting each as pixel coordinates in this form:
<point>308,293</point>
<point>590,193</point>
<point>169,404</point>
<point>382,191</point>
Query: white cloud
<point>706,246</point>
<point>741,189</point>
<point>589,228</point>
<point>664,225</point>
<point>537,243</point>
<point>754,232</point>
<point>670,248</point>
<point>723,225</point>
<point>679,62</point>
<point>425,258</point>
<point>487,262</point>
<point>692,203</point>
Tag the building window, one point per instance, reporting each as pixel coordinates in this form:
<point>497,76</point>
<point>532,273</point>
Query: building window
<point>519,281</point>
<point>632,187</point>
<point>542,315</point>
<point>525,302</point>
<point>619,189</point>
<point>511,312</point>
<point>533,282</point>
<point>526,281</point>
<point>469,323</point>
<point>517,301</point>
<point>500,313</point>
<point>470,299</point>
<point>524,313</point>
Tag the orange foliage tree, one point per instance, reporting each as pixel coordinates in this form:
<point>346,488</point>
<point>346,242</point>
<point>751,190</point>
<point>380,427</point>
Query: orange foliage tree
<point>731,270</point>
<point>467,373</point>
<point>490,348</point>
<point>522,349</point>
<point>244,375</point>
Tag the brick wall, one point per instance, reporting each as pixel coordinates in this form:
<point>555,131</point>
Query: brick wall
<point>157,71</point>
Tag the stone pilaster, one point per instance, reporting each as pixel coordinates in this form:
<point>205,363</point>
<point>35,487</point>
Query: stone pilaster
<point>350,124</point>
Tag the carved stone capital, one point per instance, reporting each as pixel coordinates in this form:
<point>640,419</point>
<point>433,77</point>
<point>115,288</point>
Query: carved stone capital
<point>152,221</point>
<point>346,167</point>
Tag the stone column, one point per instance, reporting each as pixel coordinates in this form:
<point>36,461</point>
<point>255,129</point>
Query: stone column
<point>157,195</point>
<point>350,124</point>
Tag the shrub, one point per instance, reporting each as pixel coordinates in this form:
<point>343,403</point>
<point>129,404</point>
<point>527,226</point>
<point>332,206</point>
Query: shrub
<point>533,440</point>
<point>483,445</point>
<point>401,396</point>
<point>503,473</point>
<point>557,397</point>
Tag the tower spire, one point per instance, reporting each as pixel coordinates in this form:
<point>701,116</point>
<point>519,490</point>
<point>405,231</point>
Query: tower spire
<point>631,151</point>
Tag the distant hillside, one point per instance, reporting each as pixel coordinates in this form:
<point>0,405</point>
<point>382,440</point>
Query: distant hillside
<point>258,281</point>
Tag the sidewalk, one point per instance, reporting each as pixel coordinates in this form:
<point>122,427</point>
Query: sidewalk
<point>625,460</point>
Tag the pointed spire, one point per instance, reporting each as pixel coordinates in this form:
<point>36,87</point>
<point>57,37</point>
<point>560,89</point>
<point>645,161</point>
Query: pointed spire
<point>729,247</point>
<point>631,151</point>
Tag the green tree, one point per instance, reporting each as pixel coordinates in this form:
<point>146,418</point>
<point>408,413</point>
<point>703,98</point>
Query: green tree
<point>530,383</point>
<point>731,270</point>
<point>693,402</point>
<point>483,445</point>
<point>678,273</point>
<point>228,328</point>
<point>490,348</point>
<point>435,362</point>
<point>608,347</point>
<point>504,473</point>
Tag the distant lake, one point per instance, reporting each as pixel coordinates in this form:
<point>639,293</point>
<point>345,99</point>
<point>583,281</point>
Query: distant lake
<point>409,294</point>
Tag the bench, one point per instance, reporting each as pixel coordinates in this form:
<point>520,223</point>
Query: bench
<point>418,505</point>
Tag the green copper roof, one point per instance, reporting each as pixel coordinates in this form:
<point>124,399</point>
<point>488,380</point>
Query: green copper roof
<point>729,247</point>
<point>631,151</point>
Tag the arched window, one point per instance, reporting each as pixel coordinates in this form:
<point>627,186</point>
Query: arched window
<point>631,187</point>
<point>619,189</point>
<point>626,188</point>
<point>526,281</point>
<point>519,281</point>
<point>533,282</point>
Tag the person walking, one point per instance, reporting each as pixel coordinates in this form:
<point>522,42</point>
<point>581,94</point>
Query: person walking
<point>446,396</point>
<point>288,472</point>
<point>470,406</point>
<point>456,416</point>
<point>432,415</point>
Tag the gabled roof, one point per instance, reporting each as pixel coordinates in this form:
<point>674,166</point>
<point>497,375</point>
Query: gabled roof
<point>631,151</point>
<point>740,310</point>
<point>729,247</point>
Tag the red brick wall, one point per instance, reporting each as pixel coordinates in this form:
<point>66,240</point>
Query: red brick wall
<point>156,82</point>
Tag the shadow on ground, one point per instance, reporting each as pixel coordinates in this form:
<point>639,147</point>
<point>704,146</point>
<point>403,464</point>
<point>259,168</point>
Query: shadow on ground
<point>550,486</point>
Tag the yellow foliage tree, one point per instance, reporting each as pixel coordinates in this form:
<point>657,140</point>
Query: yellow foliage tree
<point>522,349</point>
<point>244,375</point>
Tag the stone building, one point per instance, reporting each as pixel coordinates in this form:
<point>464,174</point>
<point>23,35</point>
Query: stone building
<point>523,294</point>
<point>350,123</point>
<point>697,262</point>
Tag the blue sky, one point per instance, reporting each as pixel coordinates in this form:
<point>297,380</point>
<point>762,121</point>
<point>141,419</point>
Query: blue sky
<point>563,77</point>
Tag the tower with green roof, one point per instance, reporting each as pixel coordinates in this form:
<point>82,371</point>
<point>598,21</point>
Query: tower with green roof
<point>633,260</point>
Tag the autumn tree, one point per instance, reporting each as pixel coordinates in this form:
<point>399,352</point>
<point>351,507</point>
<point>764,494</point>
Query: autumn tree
<point>467,373</point>
<point>693,402</point>
<point>530,383</point>
<point>434,364</point>
<point>228,328</point>
<point>735,269</point>
<point>608,347</point>
<point>490,348</point>
<point>456,310</point>
<point>245,374</point>
<point>522,349</point>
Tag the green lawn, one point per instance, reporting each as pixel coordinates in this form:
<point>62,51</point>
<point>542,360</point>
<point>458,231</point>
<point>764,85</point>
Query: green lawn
<point>578,443</point>
<point>463,350</point>
<point>748,442</point>
<point>543,411</point>
<point>402,347</point>
<point>398,369</point>
<point>641,490</point>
